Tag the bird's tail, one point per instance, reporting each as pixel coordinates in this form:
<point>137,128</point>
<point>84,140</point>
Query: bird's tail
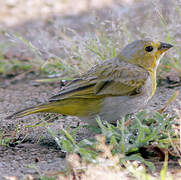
<point>35,109</point>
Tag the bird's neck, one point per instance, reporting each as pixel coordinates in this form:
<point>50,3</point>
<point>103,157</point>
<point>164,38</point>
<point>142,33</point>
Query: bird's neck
<point>153,79</point>
<point>152,71</point>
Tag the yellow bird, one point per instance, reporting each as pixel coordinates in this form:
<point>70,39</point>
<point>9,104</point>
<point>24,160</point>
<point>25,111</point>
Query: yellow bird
<point>112,88</point>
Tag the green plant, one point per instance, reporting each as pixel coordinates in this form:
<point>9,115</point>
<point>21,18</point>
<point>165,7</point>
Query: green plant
<point>4,141</point>
<point>143,132</point>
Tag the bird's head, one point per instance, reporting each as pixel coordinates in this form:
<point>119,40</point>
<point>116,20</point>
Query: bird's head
<point>144,53</point>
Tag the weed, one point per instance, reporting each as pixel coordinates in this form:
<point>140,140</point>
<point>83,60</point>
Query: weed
<point>144,132</point>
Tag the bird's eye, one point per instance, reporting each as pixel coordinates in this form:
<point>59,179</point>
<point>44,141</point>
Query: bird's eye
<point>149,48</point>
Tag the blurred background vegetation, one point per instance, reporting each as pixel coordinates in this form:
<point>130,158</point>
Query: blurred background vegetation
<point>61,39</point>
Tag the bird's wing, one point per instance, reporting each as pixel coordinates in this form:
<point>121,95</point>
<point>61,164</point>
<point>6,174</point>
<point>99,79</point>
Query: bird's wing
<point>105,80</point>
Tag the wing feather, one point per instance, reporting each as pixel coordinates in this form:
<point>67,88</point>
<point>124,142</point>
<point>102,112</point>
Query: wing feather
<point>105,80</point>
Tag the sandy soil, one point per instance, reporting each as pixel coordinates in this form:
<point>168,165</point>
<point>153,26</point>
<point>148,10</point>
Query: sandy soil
<point>38,147</point>
<point>39,144</point>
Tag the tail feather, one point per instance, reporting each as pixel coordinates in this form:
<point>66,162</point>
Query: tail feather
<point>31,110</point>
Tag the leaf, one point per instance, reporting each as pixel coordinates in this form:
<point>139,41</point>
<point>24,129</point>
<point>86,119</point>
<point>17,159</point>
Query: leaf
<point>171,99</point>
<point>69,137</point>
<point>164,168</point>
<point>89,155</point>
<point>93,129</point>
<point>87,143</point>
<point>137,157</point>
<point>67,145</point>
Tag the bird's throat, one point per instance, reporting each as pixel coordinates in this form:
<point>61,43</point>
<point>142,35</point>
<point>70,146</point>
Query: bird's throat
<point>154,84</point>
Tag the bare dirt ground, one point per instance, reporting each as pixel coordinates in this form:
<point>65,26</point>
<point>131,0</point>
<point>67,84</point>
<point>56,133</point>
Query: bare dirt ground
<point>38,147</point>
<point>38,143</point>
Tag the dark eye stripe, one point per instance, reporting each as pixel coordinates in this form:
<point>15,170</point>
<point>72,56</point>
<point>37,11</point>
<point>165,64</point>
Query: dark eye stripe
<point>149,48</point>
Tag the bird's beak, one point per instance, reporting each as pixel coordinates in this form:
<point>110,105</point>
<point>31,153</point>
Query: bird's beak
<point>164,47</point>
